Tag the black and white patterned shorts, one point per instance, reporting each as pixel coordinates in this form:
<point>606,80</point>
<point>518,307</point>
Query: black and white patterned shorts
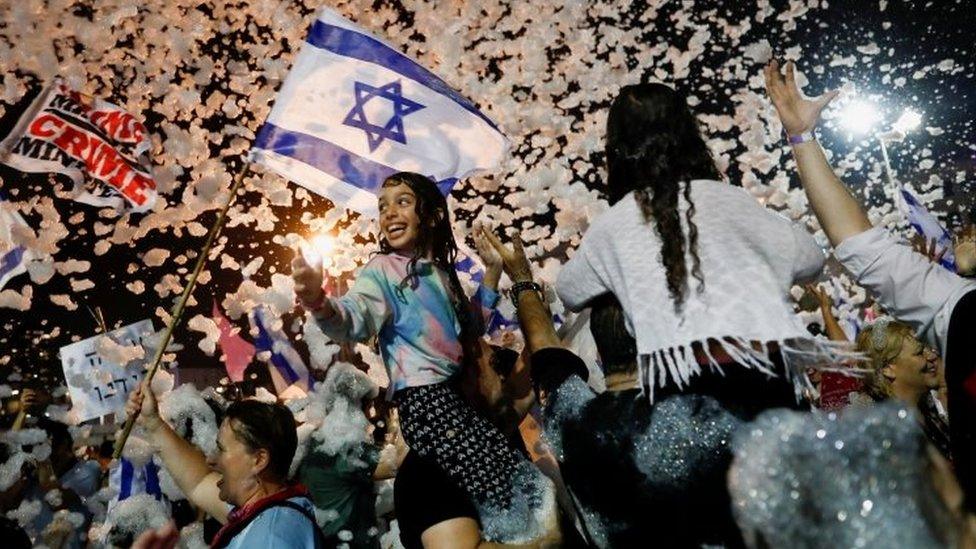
<point>438,422</point>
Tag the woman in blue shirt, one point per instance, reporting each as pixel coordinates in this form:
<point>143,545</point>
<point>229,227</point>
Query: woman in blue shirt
<point>245,486</point>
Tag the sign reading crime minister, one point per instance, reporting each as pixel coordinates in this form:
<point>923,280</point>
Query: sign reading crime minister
<point>97,386</point>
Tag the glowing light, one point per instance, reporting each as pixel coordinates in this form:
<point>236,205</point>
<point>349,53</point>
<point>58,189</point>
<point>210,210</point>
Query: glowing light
<point>908,121</point>
<point>859,117</point>
<point>317,249</point>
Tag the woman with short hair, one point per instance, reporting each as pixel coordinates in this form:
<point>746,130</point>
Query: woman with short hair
<point>246,485</point>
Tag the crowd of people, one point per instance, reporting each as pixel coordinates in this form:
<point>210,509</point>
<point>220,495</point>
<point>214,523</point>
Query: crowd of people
<point>711,425</point>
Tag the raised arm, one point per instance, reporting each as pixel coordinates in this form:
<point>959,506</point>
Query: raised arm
<point>184,462</point>
<point>839,213</point>
<point>357,315</point>
<point>533,315</point>
<point>832,327</point>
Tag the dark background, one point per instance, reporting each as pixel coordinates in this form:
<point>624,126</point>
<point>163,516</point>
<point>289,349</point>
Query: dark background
<point>921,34</point>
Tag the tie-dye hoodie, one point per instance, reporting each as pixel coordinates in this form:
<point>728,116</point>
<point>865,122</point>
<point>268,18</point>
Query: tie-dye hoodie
<point>417,327</point>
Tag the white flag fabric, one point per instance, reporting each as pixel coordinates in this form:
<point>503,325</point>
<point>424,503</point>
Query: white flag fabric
<point>354,110</point>
<point>929,227</point>
<point>13,256</point>
<point>65,131</point>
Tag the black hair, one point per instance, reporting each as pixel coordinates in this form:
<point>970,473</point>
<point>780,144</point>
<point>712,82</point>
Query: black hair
<point>653,145</point>
<point>436,237</point>
<point>503,361</point>
<point>57,432</point>
<point>269,426</point>
<point>617,348</point>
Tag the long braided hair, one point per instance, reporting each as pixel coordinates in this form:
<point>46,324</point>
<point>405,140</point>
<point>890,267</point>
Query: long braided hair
<point>654,145</point>
<point>436,237</point>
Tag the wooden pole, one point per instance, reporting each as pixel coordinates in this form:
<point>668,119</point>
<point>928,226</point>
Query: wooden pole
<point>180,306</point>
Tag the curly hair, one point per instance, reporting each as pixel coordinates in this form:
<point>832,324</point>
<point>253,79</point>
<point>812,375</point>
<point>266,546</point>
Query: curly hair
<point>436,238</point>
<point>654,144</point>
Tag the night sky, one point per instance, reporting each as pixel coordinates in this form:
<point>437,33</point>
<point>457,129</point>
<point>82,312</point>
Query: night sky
<point>911,37</point>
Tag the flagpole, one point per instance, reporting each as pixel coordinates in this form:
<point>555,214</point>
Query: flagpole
<point>181,305</point>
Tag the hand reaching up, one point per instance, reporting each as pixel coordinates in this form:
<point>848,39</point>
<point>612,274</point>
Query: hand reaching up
<point>489,256</point>
<point>514,262</point>
<point>797,113</point>
<point>308,280</point>
<point>823,298</point>
<point>929,249</point>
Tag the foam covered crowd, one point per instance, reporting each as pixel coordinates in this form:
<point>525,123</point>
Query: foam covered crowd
<point>643,331</point>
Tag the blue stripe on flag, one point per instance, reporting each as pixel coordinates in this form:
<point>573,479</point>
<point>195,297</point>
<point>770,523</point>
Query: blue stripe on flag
<point>348,43</point>
<point>11,260</point>
<point>445,185</point>
<point>324,156</point>
<point>152,480</point>
<point>125,486</point>
<point>332,159</point>
<point>265,342</point>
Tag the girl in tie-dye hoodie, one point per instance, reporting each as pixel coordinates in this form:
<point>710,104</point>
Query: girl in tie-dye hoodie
<point>410,298</point>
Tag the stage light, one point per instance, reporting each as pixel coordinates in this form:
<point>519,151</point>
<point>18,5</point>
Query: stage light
<point>908,121</point>
<point>859,117</point>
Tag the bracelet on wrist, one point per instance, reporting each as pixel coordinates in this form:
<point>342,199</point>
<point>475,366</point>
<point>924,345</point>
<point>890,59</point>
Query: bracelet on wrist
<point>803,137</point>
<point>521,286</point>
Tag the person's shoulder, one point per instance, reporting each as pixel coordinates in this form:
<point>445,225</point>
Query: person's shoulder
<point>713,187</point>
<point>609,219</point>
<point>385,265</point>
<point>284,523</point>
<point>82,473</point>
<point>384,260</point>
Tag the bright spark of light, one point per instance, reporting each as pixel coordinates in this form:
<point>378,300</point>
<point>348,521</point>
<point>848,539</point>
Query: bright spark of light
<point>317,249</point>
<point>859,117</point>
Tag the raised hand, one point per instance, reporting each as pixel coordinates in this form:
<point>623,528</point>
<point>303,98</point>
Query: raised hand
<point>308,281</point>
<point>823,298</point>
<point>488,254</point>
<point>928,249</point>
<point>142,401</point>
<point>514,262</point>
<point>797,113</point>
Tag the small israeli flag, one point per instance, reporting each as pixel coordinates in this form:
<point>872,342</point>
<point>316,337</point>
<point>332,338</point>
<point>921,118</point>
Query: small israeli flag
<point>13,256</point>
<point>354,110</point>
<point>929,227</point>
<point>282,355</point>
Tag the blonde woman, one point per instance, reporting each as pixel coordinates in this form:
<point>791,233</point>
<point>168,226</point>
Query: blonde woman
<point>902,367</point>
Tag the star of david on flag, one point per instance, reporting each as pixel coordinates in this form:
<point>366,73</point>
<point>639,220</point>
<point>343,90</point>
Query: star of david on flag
<point>393,128</point>
<point>354,110</point>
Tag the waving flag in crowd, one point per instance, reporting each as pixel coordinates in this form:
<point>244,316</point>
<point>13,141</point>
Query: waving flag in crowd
<point>13,256</point>
<point>929,227</point>
<point>67,132</point>
<point>237,352</point>
<point>285,359</point>
<point>355,110</point>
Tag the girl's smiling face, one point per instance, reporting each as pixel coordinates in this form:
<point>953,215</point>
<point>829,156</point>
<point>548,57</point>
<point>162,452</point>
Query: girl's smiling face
<point>399,223</point>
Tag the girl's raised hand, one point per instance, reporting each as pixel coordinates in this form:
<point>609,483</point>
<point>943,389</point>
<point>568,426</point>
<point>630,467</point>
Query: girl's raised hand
<point>308,281</point>
<point>488,254</point>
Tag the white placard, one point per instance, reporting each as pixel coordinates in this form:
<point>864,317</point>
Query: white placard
<point>99,387</point>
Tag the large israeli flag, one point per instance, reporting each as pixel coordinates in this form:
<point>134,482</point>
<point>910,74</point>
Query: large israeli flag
<point>355,110</point>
